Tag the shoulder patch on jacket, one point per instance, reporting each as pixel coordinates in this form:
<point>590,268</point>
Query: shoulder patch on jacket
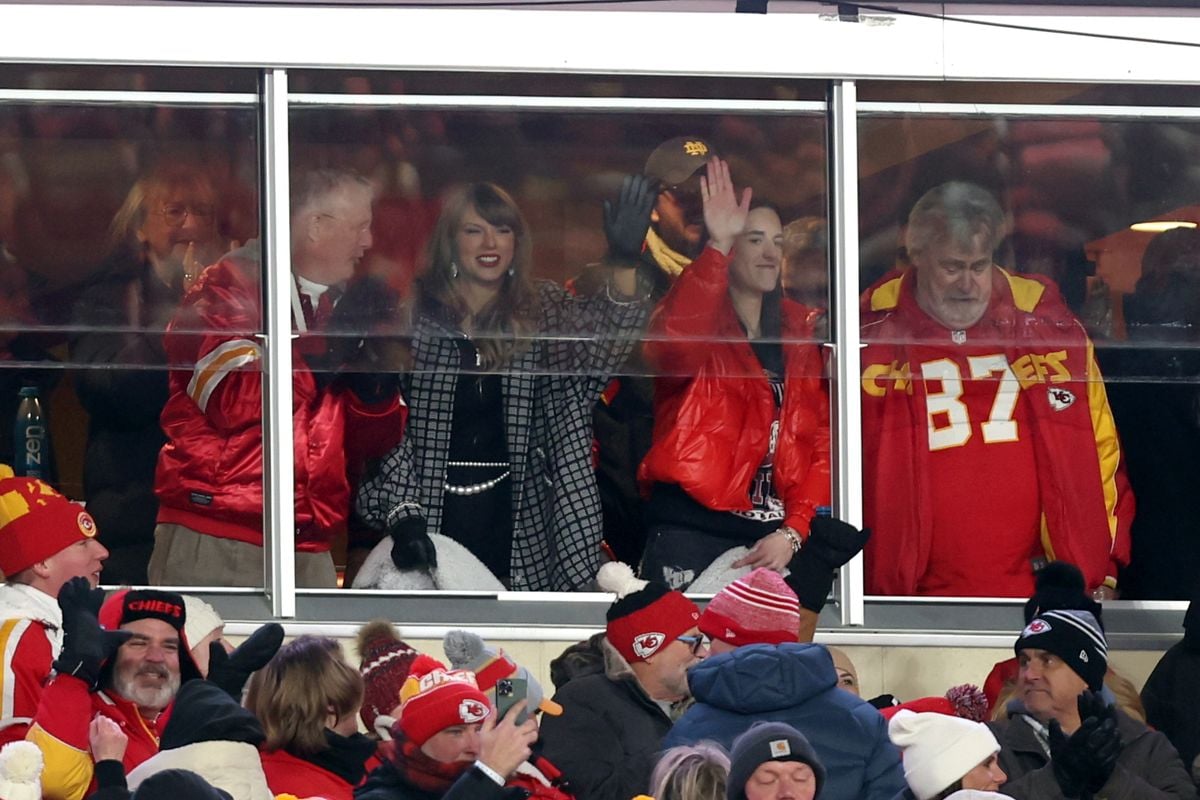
<point>1026,292</point>
<point>887,295</point>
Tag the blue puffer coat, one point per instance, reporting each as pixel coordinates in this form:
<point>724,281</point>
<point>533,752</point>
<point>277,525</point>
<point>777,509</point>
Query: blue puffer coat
<point>796,684</point>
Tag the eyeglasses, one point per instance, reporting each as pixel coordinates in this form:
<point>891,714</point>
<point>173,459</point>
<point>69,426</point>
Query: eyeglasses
<point>361,227</point>
<point>695,643</point>
<point>174,214</point>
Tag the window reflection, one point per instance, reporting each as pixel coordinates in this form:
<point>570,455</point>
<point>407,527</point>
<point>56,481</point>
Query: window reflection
<point>1069,190</point>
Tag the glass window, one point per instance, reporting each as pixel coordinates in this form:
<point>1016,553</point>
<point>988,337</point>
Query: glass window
<point>999,251</point>
<point>108,215</point>
<point>498,462</point>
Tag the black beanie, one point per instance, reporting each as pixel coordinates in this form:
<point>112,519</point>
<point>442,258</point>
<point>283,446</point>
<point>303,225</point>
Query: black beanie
<point>1075,637</point>
<point>178,784</point>
<point>768,741</point>
<point>1060,584</point>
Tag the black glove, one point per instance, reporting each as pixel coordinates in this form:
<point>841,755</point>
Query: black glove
<point>626,223</point>
<point>86,646</point>
<point>367,306</point>
<point>411,546</point>
<point>372,388</point>
<point>1068,761</point>
<point>230,671</point>
<point>1103,744</point>
<point>830,544</point>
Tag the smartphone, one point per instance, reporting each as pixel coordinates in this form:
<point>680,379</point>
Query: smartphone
<point>509,692</point>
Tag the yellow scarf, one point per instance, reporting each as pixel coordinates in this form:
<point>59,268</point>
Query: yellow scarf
<point>667,259</point>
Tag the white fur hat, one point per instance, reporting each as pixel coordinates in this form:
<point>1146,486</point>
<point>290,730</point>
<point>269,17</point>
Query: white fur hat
<point>21,771</point>
<point>939,749</point>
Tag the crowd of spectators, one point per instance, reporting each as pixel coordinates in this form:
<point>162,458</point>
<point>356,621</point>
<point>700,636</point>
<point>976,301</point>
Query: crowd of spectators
<point>107,697</point>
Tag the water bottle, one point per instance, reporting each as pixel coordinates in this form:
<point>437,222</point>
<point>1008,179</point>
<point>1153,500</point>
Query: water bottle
<point>31,439</point>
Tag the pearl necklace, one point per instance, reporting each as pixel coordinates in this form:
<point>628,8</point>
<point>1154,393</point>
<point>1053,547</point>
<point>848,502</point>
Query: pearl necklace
<point>477,464</point>
<point>476,488</point>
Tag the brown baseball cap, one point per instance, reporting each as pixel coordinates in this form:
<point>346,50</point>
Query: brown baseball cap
<point>676,160</point>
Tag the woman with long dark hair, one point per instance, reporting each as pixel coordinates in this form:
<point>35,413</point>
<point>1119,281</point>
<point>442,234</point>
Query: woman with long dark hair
<point>741,430</point>
<point>503,374</point>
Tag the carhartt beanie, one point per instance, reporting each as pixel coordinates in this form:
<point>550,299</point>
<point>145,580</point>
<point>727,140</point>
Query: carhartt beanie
<point>1075,637</point>
<point>939,749</point>
<point>768,741</point>
<point>758,608</point>
<point>646,615</point>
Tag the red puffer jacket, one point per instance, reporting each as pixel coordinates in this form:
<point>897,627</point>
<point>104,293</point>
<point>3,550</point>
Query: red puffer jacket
<point>714,409</point>
<point>210,472</point>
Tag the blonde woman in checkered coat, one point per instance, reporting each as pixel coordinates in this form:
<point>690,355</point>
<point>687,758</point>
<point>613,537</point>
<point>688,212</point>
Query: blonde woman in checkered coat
<point>503,374</point>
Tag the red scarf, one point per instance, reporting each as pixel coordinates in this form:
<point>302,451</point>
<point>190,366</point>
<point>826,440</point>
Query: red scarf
<point>424,772</point>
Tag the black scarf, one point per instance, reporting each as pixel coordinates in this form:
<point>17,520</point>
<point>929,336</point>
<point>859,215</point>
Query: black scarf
<point>346,756</point>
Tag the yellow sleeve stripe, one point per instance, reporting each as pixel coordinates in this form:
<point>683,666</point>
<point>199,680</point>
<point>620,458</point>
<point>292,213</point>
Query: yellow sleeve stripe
<point>887,295</point>
<point>1108,447</point>
<point>68,770</point>
<point>11,632</point>
<point>1026,293</point>
<point>222,360</point>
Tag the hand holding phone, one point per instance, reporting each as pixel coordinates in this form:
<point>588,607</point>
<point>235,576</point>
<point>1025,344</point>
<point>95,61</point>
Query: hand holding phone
<point>509,692</point>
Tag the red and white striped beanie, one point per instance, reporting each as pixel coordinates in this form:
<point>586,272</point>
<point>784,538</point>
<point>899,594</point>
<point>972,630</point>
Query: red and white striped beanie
<point>756,609</point>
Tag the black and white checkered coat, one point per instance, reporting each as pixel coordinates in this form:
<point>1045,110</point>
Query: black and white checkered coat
<point>549,391</point>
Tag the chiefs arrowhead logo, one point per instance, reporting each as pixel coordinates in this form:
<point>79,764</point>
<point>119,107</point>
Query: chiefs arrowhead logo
<point>647,644</point>
<point>1035,627</point>
<point>1060,399</point>
<point>472,711</point>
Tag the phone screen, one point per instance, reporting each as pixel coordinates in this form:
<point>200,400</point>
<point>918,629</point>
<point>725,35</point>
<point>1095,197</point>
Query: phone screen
<point>509,692</point>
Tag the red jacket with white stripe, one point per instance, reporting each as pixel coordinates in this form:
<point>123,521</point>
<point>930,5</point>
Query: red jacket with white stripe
<point>210,472</point>
<point>30,639</point>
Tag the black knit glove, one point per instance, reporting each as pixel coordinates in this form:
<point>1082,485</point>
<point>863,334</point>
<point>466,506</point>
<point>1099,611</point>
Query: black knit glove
<point>626,223</point>
<point>830,544</point>
<point>1104,741</point>
<point>1069,759</point>
<point>86,646</point>
<point>412,549</point>
<point>230,671</point>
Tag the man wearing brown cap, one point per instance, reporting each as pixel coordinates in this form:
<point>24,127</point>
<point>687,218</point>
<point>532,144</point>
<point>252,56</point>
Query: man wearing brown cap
<point>656,226</point>
<point>45,540</point>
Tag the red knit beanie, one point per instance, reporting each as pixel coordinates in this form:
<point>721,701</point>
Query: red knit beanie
<point>36,522</point>
<point>758,608</point>
<point>438,700</point>
<point>386,663</point>
<point>646,616</point>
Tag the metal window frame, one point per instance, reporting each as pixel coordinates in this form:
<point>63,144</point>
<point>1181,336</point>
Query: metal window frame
<point>874,45</point>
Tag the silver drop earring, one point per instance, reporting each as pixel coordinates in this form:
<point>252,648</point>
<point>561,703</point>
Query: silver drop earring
<point>512,271</point>
<point>453,269</point>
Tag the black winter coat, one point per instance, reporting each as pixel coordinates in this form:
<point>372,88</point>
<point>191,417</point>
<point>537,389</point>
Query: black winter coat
<point>123,386</point>
<point>608,737</point>
<point>388,783</point>
<point>1147,769</point>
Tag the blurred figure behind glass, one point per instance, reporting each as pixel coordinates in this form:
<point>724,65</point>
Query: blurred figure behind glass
<point>161,237</point>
